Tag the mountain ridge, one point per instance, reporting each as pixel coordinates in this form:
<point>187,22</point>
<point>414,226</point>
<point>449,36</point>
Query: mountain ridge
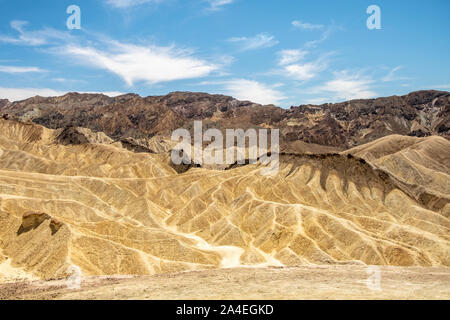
<point>339,125</point>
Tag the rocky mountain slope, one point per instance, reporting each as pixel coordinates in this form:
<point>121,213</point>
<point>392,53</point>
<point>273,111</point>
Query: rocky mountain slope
<point>418,161</point>
<point>98,206</point>
<point>337,126</point>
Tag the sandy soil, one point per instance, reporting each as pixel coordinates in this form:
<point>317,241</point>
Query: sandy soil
<point>8,273</point>
<point>307,282</point>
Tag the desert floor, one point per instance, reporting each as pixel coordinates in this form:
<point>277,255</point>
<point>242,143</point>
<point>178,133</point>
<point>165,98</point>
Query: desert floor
<point>306,282</point>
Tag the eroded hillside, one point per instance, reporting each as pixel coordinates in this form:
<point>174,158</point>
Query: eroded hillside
<point>106,209</point>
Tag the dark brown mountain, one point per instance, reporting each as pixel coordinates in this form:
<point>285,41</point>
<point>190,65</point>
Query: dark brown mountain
<point>339,125</point>
<point>3,103</point>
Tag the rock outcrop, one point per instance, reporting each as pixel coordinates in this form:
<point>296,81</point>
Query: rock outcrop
<point>338,126</point>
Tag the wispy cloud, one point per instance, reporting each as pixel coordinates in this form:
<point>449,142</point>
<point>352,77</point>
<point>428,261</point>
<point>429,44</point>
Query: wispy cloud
<point>306,25</point>
<point>250,90</point>
<point>67,81</point>
<point>325,35</point>
<point>134,63</point>
<point>254,91</point>
<point>346,86</point>
<point>294,68</point>
<point>152,64</point>
<point>391,76</point>
<point>290,56</point>
<point>13,69</point>
<point>17,94</point>
<point>33,38</point>
<point>216,5</point>
<point>441,86</point>
<point>303,72</point>
<point>317,100</point>
<point>127,3</point>
<point>262,40</point>
<point>291,62</point>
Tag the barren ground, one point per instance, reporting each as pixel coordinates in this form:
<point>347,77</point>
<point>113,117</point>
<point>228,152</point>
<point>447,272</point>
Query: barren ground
<point>306,282</point>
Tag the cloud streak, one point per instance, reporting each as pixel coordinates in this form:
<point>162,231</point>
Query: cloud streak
<point>391,76</point>
<point>346,86</point>
<point>216,5</point>
<point>306,25</point>
<point>34,38</point>
<point>13,69</point>
<point>293,67</point>
<point>150,64</point>
<point>441,86</point>
<point>290,56</point>
<point>262,40</point>
<point>325,35</point>
<point>127,3</point>
<point>248,90</point>
<point>254,91</point>
<point>17,94</point>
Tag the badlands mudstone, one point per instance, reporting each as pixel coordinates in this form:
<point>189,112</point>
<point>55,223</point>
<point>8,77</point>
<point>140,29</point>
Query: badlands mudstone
<point>109,210</point>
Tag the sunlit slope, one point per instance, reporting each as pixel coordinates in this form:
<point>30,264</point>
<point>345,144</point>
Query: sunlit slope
<point>108,210</point>
<point>423,162</point>
<point>304,216</point>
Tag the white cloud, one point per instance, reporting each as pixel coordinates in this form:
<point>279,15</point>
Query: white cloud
<point>441,86</point>
<point>291,56</point>
<point>17,94</point>
<point>138,63</point>
<point>306,25</point>
<point>303,71</point>
<point>216,5</point>
<point>325,35</point>
<point>127,3</point>
<point>13,69</point>
<point>254,91</point>
<point>317,100</point>
<point>106,93</point>
<point>33,38</point>
<point>153,64</point>
<point>68,80</point>
<point>62,80</point>
<point>346,86</point>
<point>392,77</point>
<point>261,40</point>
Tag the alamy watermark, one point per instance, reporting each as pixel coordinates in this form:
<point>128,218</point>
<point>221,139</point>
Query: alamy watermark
<point>373,282</point>
<point>374,20</point>
<point>73,282</point>
<point>231,150</point>
<point>74,20</point>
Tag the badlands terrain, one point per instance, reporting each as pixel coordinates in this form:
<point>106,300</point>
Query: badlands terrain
<point>87,187</point>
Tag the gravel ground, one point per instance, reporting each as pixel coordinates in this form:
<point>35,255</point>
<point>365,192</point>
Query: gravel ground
<point>306,282</point>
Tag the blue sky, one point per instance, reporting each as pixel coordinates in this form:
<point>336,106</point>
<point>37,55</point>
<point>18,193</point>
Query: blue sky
<point>281,52</point>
